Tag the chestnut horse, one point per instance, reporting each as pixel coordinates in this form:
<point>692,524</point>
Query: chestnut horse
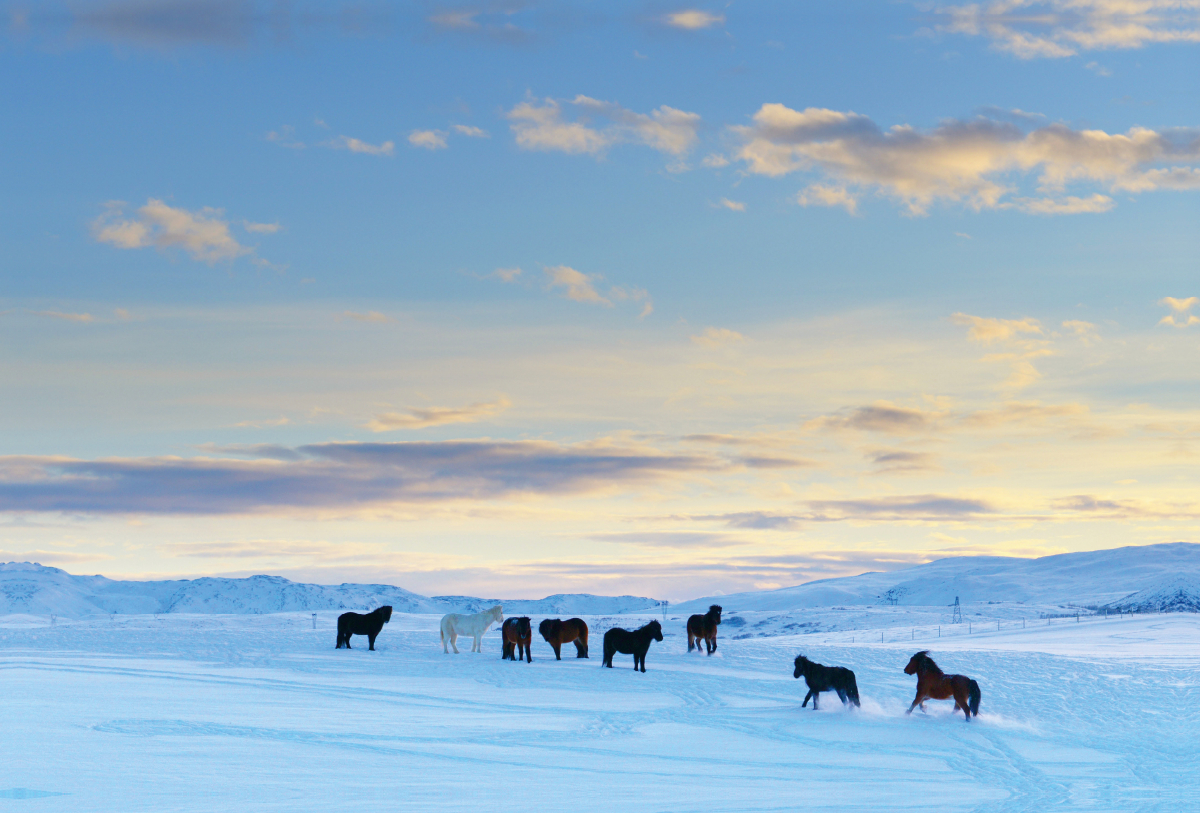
<point>516,634</point>
<point>704,628</point>
<point>933,683</point>
<point>558,632</point>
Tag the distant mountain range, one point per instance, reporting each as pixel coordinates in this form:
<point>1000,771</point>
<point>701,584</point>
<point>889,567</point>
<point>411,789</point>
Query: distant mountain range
<point>1146,577</point>
<point>38,590</point>
<point>1142,579</point>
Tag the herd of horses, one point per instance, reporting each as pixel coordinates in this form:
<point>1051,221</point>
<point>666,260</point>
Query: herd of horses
<point>516,635</point>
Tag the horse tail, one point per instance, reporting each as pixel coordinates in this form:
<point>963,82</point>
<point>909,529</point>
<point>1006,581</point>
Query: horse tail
<point>852,690</point>
<point>973,698</point>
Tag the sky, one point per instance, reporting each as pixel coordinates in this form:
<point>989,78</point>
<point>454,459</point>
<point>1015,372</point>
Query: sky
<point>510,299</point>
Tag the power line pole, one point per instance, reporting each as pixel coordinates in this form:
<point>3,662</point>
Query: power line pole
<point>957,618</point>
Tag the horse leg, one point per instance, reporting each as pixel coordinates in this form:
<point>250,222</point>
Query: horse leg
<point>454,641</point>
<point>370,642</point>
<point>806,699</point>
<point>691,641</point>
<point>816,698</point>
<point>714,642</point>
<point>528,654</point>
<point>919,700</point>
<point>557,651</point>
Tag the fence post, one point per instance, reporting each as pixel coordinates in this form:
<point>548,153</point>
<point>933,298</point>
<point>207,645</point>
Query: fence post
<point>314,620</point>
<point>939,630</point>
<point>968,628</point>
<point>997,626</point>
<point>913,636</point>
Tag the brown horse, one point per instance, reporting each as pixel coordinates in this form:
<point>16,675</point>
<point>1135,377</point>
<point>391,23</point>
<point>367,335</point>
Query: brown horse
<point>558,632</point>
<point>933,683</point>
<point>516,635</point>
<point>704,628</point>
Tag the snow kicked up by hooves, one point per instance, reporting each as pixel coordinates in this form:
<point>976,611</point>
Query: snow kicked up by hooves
<point>204,713</point>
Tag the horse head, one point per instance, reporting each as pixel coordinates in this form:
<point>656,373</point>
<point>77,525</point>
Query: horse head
<point>386,612</point>
<point>497,614</point>
<point>801,663</point>
<point>655,629</point>
<point>919,663</point>
<point>549,628</point>
<point>714,612</point>
<point>523,629</point>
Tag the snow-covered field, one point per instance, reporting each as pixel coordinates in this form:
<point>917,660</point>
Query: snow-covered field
<point>259,712</point>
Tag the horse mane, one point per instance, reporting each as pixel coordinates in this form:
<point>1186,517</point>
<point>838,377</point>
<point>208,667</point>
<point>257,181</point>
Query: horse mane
<point>801,657</point>
<point>926,663</point>
<point>714,611</point>
<point>652,623</point>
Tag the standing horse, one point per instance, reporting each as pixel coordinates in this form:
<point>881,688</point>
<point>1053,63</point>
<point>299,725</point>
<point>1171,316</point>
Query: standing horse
<point>933,683</point>
<point>455,624</point>
<point>558,632</point>
<point>515,633</point>
<point>631,643</point>
<point>704,628</point>
<point>359,624</point>
<point>826,679</point>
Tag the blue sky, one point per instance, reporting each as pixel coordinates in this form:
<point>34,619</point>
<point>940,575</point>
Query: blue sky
<point>652,297</point>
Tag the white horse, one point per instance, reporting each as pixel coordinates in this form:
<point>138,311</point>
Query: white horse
<point>455,624</point>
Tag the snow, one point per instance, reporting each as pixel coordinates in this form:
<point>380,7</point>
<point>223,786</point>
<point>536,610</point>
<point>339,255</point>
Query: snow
<point>202,712</point>
<point>1091,578</point>
<point>27,587</point>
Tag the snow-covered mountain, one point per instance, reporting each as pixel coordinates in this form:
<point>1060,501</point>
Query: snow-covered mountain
<point>1174,594</point>
<point>1089,579</point>
<point>38,590</point>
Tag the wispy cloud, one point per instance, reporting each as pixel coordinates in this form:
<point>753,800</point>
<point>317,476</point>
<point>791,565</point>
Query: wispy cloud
<point>882,417</point>
<point>371,317</point>
<point>335,476</point>
<point>733,205</point>
<point>1031,29</point>
<point>717,336</point>
<point>68,317</point>
<point>428,139</point>
<point>540,125</point>
<point>830,196</point>
<point>693,19</point>
<point>986,330</point>
<point>974,162</point>
<point>361,147</point>
<point>471,132</point>
<point>203,234</point>
<point>1179,316</point>
<point>260,228</point>
<point>575,285</point>
<point>424,417</point>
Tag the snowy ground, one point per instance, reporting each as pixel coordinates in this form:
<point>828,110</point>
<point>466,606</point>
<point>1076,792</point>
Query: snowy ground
<point>205,713</point>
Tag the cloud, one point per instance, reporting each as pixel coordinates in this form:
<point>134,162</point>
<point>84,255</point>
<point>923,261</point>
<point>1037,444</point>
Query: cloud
<point>693,19</point>
<point>260,228</point>
<point>715,161</point>
<point>506,274</point>
<point>576,285</point>
<point>1084,331</point>
<point>881,417</point>
<point>372,317</point>
<point>718,336</point>
<point>927,507</point>
<point>333,476</point>
<point>203,234</point>
<point>424,417</point>
<point>1032,29</point>
<point>733,205</point>
<point>976,162</point>
<point>753,520</point>
<point>471,132</point>
<point>362,147</point>
<point>831,196</point>
<point>683,540</point>
<point>69,317</point>
<point>493,23</point>
<point>164,23</point>
<point>427,139</point>
<point>539,125</point>
<point>988,331</point>
<point>1016,412</point>
<point>889,461</point>
<point>1180,307</point>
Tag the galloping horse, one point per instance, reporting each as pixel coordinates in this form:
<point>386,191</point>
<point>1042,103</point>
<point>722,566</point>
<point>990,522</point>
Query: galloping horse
<point>558,632</point>
<point>455,624</point>
<point>631,643</point>
<point>825,679</point>
<point>359,624</point>
<point>932,682</point>
<point>704,628</point>
<point>515,633</point>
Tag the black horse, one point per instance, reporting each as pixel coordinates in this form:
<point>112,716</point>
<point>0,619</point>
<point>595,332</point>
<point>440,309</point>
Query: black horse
<point>704,628</point>
<point>631,643</point>
<point>359,624</point>
<point>826,679</point>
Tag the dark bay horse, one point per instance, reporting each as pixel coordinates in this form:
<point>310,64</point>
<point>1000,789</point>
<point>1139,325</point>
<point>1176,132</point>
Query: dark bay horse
<point>516,635</point>
<point>558,632</point>
<point>704,628</point>
<point>359,624</point>
<point>631,643</point>
<point>933,683</point>
<point>826,679</point>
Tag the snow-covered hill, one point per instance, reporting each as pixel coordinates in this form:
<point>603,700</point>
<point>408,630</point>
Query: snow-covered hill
<point>38,590</point>
<point>1174,594</point>
<point>1092,578</point>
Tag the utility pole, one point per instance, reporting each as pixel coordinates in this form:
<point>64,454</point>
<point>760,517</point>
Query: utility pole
<point>957,618</point>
